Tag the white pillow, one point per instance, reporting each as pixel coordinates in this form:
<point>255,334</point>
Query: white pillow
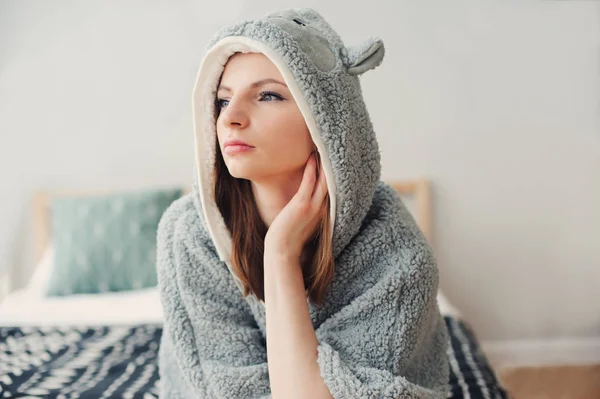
<point>446,307</point>
<point>36,287</point>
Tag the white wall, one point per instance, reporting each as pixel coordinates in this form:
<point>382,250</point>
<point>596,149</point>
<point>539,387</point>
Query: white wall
<point>498,104</point>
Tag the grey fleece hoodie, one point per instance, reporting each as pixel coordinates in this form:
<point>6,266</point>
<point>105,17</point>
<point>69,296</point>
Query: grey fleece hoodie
<point>380,331</point>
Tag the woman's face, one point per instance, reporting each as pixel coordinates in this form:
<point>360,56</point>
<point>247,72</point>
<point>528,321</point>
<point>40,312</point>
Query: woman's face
<point>263,114</point>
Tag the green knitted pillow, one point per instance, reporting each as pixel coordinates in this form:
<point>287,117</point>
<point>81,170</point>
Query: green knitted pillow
<point>106,243</point>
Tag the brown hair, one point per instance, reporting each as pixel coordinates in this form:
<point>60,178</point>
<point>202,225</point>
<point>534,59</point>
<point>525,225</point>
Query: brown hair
<point>236,202</point>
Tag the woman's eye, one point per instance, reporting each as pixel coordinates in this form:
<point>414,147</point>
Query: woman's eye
<point>220,103</point>
<point>270,95</point>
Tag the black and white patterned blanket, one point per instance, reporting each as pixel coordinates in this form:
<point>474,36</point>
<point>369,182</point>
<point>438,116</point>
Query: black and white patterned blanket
<point>84,362</point>
<point>121,362</point>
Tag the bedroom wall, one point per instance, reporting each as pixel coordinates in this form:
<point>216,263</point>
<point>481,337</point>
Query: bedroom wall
<point>498,104</point>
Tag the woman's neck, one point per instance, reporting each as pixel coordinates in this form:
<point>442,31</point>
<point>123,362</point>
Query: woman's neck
<point>272,195</point>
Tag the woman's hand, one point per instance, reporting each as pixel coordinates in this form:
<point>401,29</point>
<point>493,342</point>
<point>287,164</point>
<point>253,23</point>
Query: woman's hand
<point>298,220</point>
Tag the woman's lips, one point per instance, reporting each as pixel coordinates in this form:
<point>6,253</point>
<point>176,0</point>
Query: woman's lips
<point>237,149</point>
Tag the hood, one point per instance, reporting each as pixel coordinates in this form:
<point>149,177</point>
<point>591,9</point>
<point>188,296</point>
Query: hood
<point>323,76</point>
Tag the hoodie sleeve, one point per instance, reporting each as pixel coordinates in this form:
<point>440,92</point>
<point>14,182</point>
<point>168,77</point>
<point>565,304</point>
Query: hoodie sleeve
<point>390,341</point>
<point>211,346</point>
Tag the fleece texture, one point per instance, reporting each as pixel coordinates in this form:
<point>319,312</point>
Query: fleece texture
<point>380,331</point>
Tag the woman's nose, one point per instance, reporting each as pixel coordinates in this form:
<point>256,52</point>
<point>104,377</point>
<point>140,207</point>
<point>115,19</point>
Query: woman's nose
<point>234,114</point>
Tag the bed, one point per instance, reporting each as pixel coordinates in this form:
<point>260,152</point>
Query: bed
<point>105,345</point>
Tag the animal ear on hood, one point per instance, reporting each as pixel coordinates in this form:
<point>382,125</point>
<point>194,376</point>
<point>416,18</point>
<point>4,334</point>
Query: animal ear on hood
<point>365,56</point>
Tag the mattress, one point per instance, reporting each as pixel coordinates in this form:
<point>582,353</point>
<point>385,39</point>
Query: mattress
<point>21,308</point>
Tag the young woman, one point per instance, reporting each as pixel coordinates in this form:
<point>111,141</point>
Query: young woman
<point>291,270</point>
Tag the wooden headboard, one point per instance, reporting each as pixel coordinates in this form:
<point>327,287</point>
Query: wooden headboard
<point>417,188</point>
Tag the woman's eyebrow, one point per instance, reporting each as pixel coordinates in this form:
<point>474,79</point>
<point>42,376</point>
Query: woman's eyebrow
<point>256,84</point>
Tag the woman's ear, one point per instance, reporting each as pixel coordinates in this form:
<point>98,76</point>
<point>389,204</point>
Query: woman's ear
<point>365,56</point>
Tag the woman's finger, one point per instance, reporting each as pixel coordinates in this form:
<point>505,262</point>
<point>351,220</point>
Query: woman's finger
<point>308,180</point>
<point>320,188</point>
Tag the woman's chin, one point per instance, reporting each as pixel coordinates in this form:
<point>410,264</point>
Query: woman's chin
<point>240,176</point>
<point>241,173</point>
